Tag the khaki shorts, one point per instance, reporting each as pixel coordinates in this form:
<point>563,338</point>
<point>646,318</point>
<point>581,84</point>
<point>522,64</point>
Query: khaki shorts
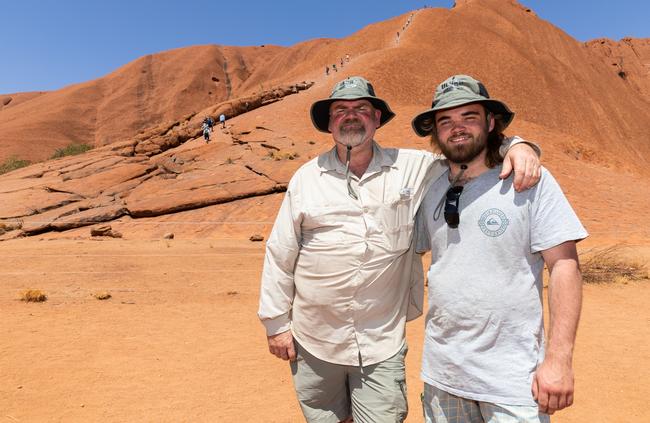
<point>331,392</point>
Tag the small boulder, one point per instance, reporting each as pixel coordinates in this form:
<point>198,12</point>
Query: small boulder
<point>256,238</point>
<point>104,230</point>
<point>168,235</point>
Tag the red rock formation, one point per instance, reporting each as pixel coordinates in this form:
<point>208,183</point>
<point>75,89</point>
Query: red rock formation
<point>587,104</point>
<point>138,179</point>
<point>628,58</point>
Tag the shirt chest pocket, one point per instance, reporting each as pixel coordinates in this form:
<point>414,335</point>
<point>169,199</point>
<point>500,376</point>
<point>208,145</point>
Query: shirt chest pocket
<point>327,223</point>
<point>397,220</point>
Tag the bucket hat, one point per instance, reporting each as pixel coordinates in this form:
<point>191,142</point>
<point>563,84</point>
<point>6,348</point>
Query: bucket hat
<point>459,90</point>
<point>352,88</point>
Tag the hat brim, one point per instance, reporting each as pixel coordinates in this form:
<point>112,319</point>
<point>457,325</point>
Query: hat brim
<point>497,107</point>
<point>320,111</point>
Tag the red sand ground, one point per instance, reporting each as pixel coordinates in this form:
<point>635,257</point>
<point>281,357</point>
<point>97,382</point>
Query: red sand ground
<point>179,341</point>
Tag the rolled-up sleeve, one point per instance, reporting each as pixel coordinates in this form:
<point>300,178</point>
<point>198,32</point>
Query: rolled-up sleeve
<point>277,286</point>
<point>509,142</point>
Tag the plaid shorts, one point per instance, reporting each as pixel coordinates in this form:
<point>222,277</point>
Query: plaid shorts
<point>443,407</point>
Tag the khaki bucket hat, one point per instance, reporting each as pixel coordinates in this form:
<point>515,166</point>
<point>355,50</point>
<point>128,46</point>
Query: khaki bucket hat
<point>352,88</point>
<point>458,91</point>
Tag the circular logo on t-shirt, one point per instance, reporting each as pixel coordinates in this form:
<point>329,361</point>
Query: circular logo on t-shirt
<point>493,222</point>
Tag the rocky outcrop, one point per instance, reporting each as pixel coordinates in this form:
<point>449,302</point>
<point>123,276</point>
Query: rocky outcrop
<point>152,174</point>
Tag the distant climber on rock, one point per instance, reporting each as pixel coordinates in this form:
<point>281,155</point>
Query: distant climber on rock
<point>207,125</point>
<point>222,119</point>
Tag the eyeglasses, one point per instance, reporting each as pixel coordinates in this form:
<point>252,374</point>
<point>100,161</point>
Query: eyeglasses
<point>452,214</point>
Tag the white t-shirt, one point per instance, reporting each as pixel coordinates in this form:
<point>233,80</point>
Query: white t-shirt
<point>484,335</point>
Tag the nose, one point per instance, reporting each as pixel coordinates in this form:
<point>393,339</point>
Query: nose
<point>458,126</point>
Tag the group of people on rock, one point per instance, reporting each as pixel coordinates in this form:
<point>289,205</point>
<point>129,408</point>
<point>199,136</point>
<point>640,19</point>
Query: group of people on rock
<point>208,124</point>
<point>334,68</point>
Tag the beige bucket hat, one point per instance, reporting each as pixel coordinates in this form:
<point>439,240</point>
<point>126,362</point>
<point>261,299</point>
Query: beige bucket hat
<point>459,90</point>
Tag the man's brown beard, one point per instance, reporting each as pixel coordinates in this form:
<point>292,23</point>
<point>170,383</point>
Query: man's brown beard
<point>466,153</point>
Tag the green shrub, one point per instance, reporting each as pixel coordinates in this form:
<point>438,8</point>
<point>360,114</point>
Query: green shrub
<point>71,150</point>
<point>13,163</point>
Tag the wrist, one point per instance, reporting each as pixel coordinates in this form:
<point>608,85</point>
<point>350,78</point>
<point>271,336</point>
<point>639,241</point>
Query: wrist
<point>561,355</point>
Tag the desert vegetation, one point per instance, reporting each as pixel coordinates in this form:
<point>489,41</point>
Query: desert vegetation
<point>609,264</point>
<point>33,296</point>
<point>71,150</point>
<point>13,163</point>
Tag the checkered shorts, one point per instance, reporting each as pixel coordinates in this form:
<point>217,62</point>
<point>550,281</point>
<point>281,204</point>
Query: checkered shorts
<point>443,407</point>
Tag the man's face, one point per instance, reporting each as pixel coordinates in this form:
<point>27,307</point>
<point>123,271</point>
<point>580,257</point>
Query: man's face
<point>353,122</point>
<point>463,132</point>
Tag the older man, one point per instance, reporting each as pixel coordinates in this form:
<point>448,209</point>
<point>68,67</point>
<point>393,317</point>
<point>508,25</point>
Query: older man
<point>340,277</point>
<point>483,358</point>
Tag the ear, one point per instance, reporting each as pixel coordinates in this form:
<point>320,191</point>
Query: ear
<point>378,117</point>
<point>490,122</point>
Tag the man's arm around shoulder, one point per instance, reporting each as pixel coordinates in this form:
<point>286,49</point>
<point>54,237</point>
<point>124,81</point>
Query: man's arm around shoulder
<point>522,157</point>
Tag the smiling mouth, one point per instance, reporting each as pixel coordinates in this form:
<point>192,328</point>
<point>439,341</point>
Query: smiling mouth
<point>352,127</point>
<point>459,139</point>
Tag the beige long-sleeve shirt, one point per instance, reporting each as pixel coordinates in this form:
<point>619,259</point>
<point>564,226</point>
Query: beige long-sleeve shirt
<point>341,273</point>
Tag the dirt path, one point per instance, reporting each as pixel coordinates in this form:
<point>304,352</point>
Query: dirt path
<point>179,340</point>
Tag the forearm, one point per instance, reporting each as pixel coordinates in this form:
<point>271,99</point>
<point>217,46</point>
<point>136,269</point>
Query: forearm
<point>509,142</point>
<point>565,302</point>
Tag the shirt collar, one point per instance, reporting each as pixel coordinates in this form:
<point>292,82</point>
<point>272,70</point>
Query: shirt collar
<point>330,161</point>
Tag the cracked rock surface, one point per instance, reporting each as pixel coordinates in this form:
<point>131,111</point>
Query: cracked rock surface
<point>165,170</point>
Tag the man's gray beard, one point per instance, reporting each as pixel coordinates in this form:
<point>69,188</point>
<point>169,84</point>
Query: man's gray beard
<point>352,137</point>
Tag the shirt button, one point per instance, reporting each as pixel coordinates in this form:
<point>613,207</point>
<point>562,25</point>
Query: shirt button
<point>365,209</point>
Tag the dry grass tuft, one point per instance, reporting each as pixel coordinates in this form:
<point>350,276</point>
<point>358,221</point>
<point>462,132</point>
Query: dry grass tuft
<point>13,163</point>
<point>607,265</point>
<point>282,155</point>
<point>102,295</point>
<point>33,296</point>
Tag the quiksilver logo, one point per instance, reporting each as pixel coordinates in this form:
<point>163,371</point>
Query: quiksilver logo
<point>493,222</point>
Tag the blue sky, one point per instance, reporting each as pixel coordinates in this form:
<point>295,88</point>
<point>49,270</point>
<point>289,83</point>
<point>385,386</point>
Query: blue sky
<point>49,44</point>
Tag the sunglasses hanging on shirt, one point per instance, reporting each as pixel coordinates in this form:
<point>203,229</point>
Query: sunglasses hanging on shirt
<point>452,215</point>
<point>451,201</point>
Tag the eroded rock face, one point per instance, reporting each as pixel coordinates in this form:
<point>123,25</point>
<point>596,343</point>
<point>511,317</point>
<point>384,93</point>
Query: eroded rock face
<point>153,174</point>
<point>627,58</point>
